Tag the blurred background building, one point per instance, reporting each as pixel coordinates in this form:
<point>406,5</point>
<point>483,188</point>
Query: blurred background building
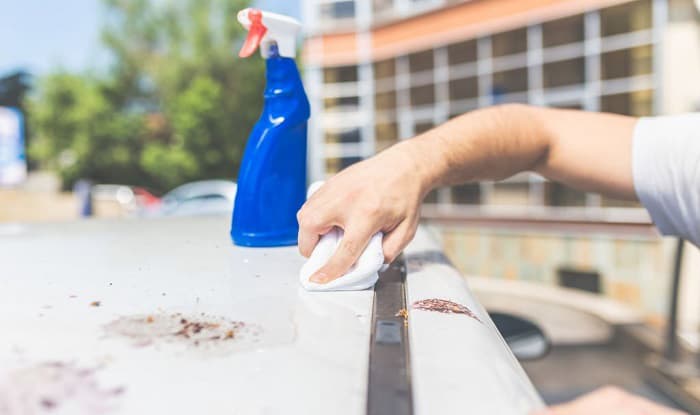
<point>386,70</point>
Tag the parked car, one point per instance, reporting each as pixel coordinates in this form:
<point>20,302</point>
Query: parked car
<point>130,198</point>
<point>206,197</point>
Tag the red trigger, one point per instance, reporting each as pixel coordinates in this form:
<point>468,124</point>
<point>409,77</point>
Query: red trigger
<point>255,33</point>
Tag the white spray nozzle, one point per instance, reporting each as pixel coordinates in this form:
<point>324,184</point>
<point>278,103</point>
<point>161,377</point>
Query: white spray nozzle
<point>264,29</point>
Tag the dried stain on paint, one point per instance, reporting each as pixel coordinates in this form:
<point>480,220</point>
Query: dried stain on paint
<point>444,306</point>
<point>56,387</point>
<point>201,331</point>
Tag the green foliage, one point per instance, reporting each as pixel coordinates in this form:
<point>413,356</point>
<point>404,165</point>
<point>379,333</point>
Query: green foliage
<point>201,137</point>
<point>81,134</point>
<point>176,105</point>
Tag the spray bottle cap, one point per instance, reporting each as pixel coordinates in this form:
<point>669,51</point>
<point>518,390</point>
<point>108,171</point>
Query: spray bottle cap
<point>264,29</point>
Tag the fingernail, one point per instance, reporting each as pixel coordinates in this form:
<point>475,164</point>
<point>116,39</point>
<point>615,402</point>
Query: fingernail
<point>319,277</point>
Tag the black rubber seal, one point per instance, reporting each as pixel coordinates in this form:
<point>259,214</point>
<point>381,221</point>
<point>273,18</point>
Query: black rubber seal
<point>389,386</point>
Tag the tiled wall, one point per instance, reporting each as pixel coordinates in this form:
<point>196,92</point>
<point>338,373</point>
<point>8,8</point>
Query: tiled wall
<point>635,271</point>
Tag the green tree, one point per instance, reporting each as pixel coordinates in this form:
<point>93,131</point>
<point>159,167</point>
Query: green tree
<point>80,134</point>
<point>175,105</point>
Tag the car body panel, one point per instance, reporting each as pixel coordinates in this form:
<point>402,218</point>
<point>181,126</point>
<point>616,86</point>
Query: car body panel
<point>458,362</point>
<point>65,287</point>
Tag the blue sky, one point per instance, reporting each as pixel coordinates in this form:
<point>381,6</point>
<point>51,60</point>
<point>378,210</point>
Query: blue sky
<point>42,35</point>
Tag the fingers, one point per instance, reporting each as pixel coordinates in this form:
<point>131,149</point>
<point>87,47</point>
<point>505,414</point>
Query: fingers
<point>311,226</point>
<point>395,241</point>
<point>351,246</point>
<point>307,241</point>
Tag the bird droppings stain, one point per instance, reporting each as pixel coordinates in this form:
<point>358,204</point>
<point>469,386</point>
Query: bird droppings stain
<point>55,387</point>
<point>444,306</point>
<point>202,331</point>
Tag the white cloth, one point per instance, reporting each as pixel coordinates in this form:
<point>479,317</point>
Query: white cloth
<point>362,275</point>
<point>666,171</point>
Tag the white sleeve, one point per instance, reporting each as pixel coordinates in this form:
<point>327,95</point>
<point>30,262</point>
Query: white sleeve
<point>666,171</point>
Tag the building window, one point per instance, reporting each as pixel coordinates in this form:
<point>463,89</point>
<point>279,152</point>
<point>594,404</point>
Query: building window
<point>463,52</point>
<point>562,73</point>
<point>509,43</point>
<point>334,165</point>
<point>350,135</point>
<point>637,103</point>
<point>625,18</point>
<point>386,134</point>
<point>421,127</point>
<point>556,194</point>
<point>466,194</point>
<point>562,31</point>
<point>567,106</point>
<point>458,108</point>
<point>339,9</point>
<point>385,101</point>
<point>506,82</point>
<point>422,95</point>
<point>340,74</point>
<point>466,88</point>
<point>627,62</point>
<point>421,61</point>
<point>341,104</point>
<point>380,6</point>
<point>510,194</point>
<point>385,69</point>
<point>610,202</point>
<point>432,197</point>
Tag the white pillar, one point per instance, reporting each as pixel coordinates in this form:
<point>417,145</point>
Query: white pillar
<point>404,115</point>
<point>485,71</point>
<point>313,81</point>
<point>365,69</point>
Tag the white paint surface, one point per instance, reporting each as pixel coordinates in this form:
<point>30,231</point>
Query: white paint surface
<point>458,363</point>
<point>311,357</point>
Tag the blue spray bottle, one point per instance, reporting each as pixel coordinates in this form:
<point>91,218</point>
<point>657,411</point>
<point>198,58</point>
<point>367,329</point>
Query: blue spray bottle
<point>272,177</point>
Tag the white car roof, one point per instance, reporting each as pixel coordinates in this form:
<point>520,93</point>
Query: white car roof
<point>168,316</point>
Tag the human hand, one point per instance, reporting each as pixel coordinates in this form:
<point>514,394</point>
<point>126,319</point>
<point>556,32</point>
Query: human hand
<point>609,401</point>
<point>382,193</point>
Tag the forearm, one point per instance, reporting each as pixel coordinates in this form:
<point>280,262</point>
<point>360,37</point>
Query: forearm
<point>587,151</point>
